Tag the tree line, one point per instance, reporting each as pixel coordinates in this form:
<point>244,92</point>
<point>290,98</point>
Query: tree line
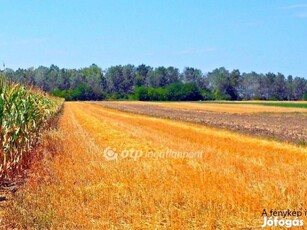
<point>144,82</point>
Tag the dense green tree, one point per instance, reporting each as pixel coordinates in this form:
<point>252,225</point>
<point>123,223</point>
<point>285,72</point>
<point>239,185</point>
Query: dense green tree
<point>141,93</point>
<point>224,84</point>
<point>280,87</point>
<point>250,86</point>
<point>172,75</point>
<point>192,75</point>
<point>157,77</point>
<point>148,83</point>
<point>300,88</point>
<point>172,92</point>
<point>142,72</point>
<point>290,88</point>
<point>115,80</point>
<point>129,75</point>
<point>93,78</point>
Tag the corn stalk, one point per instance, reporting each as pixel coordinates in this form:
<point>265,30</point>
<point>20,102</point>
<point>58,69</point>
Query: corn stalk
<point>24,113</point>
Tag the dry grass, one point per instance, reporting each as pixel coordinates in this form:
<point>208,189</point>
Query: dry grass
<point>225,108</point>
<point>237,177</point>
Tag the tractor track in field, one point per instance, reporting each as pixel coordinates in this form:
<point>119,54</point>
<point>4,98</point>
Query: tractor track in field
<point>289,127</point>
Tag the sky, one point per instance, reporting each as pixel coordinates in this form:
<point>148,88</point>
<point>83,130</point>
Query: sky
<point>262,36</point>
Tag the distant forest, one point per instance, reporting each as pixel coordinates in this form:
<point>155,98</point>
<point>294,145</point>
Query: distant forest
<point>146,83</point>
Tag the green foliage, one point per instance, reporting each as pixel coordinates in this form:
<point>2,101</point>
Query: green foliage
<point>224,84</point>
<point>119,82</point>
<point>24,113</point>
<point>82,92</point>
<point>141,94</point>
<point>207,95</point>
<point>58,93</point>
<point>305,97</point>
<point>219,96</point>
<point>273,98</point>
<point>157,94</point>
<point>172,92</point>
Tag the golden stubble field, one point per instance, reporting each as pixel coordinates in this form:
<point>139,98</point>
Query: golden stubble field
<point>228,187</point>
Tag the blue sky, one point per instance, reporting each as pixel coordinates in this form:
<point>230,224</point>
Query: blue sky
<point>259,36</point>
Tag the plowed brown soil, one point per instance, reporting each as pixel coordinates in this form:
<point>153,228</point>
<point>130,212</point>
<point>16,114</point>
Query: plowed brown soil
<point>289,127</point>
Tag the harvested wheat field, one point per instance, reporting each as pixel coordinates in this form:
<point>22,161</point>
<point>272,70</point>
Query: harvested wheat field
<point>283,126</point>
<point>107,169</point>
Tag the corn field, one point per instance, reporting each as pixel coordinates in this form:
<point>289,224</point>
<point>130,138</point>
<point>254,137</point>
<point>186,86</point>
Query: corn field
<point>24,113</point>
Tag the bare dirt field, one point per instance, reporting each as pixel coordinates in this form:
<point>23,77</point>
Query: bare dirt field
<point>230,107</point>
<point>284,126</point>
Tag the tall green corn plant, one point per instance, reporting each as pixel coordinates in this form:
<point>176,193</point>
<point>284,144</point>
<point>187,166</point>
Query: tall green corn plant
<point>23,115</point>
